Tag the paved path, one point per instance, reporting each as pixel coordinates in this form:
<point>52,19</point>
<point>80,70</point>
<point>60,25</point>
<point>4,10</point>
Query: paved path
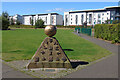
<point>8,72</point>
<point>107,68</point>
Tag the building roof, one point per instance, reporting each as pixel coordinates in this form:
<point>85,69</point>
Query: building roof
<point>95,10</point>
<point>89,10</point>
<point>112,7</point>
<point>42,14</point>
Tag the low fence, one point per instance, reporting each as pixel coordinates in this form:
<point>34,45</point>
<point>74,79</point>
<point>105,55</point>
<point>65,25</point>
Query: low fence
<point>87,31</point>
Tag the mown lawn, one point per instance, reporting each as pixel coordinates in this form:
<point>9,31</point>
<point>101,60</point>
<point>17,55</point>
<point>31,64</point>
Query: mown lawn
<point>21,44</point>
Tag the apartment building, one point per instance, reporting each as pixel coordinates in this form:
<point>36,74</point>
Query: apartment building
<point>16,18</point>
<point>91,17</point>
<point>48,18</point>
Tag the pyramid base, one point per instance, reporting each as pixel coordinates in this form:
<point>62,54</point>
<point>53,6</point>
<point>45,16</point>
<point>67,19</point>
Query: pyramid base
<point>49,65</point>
<point>49,55</point>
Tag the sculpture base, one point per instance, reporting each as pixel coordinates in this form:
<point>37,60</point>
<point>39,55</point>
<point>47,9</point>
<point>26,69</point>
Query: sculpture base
<point>49,55</point>
<point>49,65</point>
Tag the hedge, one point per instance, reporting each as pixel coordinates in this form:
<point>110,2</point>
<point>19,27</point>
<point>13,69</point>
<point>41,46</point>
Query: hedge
<point>73,26</point>
<point>30,26</point>
<point>109,32</point>
<point>21,26</point>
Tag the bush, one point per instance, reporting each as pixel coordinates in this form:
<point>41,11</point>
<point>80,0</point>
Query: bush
<point>21,26</point>
<point>12,23</point>
<point>109,32</point>
<point>116,22</point>
<point>5,21</point>
<point>61,26</point>
<point>39,23</point>
<point>17,22</point>
<point>108,21</point>
<point>0,22</point>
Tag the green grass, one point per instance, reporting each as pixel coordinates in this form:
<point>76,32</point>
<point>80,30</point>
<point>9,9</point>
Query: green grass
<point>21,44</point>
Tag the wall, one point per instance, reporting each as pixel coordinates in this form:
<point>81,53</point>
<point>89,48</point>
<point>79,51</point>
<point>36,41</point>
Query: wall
<point>59,20</point>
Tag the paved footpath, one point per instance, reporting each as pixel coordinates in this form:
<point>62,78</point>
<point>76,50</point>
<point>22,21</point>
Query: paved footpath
<point>8,72</point>
<point>106,68</point>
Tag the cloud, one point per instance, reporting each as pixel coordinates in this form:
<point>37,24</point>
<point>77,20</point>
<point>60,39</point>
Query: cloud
<point>60,10</point>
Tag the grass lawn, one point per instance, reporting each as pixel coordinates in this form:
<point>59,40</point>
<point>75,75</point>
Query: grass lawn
<point>21,44</point>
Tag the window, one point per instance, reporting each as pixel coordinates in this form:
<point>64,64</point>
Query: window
<point>76,20</point>
<point>71,18</point>
<point>35,19</point>
<point>71,22</point>
<point>111,18</point>
<point>82,18</point>
<point>71,15</point>
<point>107,18</point>
<point>53,19</point>
<point>99,21</point>
<point>90,18</point>
<point>103,14</point>
<point>66,19</point>
<point>46,20</point>
<point>99,16</point>
<point>107,13</point>
<point>30,20</point>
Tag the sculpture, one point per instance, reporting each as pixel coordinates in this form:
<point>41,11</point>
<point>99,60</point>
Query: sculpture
<point>50,54</point>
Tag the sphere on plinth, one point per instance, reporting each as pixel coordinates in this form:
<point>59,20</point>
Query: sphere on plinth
<point>50,30</point>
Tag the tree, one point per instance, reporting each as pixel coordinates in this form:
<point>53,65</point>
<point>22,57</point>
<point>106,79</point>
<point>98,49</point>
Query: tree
<point>5,21</point>
<point>31,22</point>
<point>12,23</point>
<point>17,22</point>
<point>116,22</point>
<point>39,23</point>
<point>5,14</point>
<point>107,21</point>
<point>0,22</point>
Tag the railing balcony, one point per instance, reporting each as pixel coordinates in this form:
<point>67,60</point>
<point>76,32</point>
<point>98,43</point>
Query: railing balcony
<point>117,15</point>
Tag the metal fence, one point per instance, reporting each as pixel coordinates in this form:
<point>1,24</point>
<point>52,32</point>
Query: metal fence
<point>87,31</point>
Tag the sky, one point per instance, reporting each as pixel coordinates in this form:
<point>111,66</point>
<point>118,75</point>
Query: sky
<point>23,8</point>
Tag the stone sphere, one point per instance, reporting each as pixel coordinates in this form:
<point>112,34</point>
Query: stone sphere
<point>50,30</point>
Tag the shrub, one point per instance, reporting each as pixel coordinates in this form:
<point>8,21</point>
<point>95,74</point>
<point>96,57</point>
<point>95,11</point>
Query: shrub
<point>5,21</point>
<point>11,22</point>
<point>116,22</point>
<point>108,21</point>
<point>21,26</point>
<point>61,26</point>
<point>39,23</point>
<point>108,32</point>
<point>0,22</point>
<point>17,22</point>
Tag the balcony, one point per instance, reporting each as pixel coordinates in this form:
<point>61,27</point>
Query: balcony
<point>117,15</point>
